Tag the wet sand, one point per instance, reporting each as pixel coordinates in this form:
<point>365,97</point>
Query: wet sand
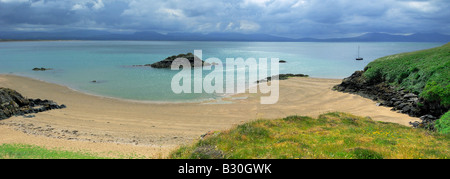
<point>105,125</point>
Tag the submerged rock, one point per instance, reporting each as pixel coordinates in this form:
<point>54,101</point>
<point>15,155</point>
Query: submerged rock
<point>13,103</point>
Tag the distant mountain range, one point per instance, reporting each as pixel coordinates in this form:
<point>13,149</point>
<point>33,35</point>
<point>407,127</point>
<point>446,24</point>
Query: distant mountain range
<point>103,35</point>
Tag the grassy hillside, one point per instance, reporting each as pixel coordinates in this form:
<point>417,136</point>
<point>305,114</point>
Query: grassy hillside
<point>425,72</point>
<point>332,135</point>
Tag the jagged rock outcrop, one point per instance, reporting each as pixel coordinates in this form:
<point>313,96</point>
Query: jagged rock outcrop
<point>167,63</point>
<point>399,99</point>
<point>13,103</point>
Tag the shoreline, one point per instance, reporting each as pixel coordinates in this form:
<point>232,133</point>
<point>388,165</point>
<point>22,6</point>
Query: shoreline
<point>159,128</point>
<point>219,97</point>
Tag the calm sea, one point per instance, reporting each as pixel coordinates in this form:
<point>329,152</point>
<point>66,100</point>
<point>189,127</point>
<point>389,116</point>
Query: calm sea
<point>76,63</point>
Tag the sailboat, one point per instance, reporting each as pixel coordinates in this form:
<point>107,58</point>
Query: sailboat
<point>359,58</point>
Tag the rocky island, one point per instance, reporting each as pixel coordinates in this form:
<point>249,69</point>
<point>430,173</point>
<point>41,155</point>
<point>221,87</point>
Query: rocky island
<point>167,63</point>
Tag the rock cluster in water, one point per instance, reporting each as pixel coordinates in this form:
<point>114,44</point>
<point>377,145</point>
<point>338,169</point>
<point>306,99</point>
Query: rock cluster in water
<point>281,77</point>
<point>13,103</point>
<point>41,69</point>
<point>167,63</point>
<point>399,99</point>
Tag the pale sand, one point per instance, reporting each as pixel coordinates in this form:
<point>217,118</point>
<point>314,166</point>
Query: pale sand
<point>100,124</point>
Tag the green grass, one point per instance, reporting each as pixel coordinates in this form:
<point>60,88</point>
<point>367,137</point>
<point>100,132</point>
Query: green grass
<point>330,136</point>
<point>425,72</point>
<point>20,151</point>
<point>443,124</point>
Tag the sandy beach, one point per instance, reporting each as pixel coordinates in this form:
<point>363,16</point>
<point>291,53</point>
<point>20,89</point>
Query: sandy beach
<point>107,125</point>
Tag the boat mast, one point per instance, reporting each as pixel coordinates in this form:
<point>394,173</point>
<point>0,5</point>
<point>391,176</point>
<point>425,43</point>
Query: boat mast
<point>358,52</point>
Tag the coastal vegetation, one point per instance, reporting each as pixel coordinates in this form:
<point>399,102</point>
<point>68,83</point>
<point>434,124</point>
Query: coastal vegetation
<point>333,135</point>
<point>26,151</point>
<point>416,83</point>
<point>425,72</point>
<point>443,125</point>
<point>21,151</point>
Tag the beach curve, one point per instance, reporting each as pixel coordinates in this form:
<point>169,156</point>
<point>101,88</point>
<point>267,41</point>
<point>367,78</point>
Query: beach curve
<point>105,124</point>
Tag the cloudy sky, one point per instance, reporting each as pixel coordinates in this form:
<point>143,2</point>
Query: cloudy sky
<point>289,18</point>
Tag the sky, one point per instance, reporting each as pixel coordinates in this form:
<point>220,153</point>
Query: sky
<point>286,18</point>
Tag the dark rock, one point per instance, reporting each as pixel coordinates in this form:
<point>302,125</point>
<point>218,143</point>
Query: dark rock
<point>282,61</point>
<point>13,103</point>
<point>29,116</point>
<point>402,105</point>
<point>428,117</point>
<point>408,108</point>
<point>41,69</point>
<point>427,122</point>
<point>386,95</point>
<point>410,95</point>
<point>281,77</point>
<point>413,100</point>
<point>98,81</point>
<point>167,63</point>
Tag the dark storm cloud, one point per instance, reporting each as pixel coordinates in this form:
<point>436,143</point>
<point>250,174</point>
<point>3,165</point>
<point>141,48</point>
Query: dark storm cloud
<point>295,18</point>
<point>24,12</point>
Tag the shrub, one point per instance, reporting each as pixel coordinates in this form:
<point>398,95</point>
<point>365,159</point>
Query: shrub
<point>443,125</point>
<point>437,92</point>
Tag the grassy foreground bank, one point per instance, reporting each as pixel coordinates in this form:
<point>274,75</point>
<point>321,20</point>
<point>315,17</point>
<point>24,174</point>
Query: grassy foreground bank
<point>330,136</point>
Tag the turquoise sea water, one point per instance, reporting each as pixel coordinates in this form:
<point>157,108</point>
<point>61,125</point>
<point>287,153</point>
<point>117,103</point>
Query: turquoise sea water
<point>77,63</point>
